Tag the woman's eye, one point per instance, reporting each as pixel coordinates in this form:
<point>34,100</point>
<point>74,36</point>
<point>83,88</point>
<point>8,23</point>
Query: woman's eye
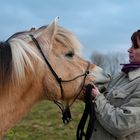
<point>69,54</point>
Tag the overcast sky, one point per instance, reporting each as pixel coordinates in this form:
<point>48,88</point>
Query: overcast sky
<point>101,25</point>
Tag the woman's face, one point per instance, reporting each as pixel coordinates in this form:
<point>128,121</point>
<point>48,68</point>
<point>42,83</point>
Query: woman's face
<point>134,52</point>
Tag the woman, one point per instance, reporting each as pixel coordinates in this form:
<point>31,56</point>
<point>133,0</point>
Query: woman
<point>118,110</point>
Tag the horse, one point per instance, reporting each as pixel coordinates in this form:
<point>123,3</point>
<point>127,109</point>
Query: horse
<point>41,64</point>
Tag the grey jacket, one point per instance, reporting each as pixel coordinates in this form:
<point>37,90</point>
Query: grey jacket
<point>118,112</point>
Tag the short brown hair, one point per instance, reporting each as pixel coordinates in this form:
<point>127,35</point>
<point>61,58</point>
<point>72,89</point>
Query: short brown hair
<point>134,37</point>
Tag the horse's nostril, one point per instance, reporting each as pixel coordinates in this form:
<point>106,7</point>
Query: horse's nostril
<point>87,72</point>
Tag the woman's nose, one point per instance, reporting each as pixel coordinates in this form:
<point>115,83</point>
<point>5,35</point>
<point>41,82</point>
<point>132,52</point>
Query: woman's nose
<point>130,49</point>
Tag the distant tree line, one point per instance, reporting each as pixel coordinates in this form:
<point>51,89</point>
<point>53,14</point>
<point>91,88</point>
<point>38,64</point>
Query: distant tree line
<point>110,62</point>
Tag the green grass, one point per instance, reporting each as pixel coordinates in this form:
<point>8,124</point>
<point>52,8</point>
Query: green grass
<point>44,122</point>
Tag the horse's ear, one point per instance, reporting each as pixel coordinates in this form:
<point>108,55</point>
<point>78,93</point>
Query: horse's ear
<point>52,29</point>
<point>49,32</point>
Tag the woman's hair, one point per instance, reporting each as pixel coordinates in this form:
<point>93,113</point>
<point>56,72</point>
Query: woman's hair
<point>134,38</point>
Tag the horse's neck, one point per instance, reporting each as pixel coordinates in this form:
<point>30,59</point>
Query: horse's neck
<point>14,107</point>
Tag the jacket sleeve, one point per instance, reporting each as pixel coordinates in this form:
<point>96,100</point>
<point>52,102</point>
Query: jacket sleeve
<point>119,121</point>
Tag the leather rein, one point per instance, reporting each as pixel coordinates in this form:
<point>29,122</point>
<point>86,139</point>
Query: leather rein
<point>65,110</point>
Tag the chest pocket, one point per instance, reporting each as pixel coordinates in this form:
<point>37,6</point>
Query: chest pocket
<point>120,94</point>
<point>118,97</point>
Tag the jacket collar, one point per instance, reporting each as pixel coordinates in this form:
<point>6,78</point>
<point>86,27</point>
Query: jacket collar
<point>134,74</point>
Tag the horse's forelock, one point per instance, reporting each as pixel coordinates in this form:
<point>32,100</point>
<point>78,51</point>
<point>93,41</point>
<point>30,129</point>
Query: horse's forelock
<point>68,39</point>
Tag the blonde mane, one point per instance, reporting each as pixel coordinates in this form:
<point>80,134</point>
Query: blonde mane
<point>21,59</point>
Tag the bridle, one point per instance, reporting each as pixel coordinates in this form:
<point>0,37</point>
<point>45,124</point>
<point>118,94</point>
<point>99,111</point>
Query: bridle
<point>65,111</point>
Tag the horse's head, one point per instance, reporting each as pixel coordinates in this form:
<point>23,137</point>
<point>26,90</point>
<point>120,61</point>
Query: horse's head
<point>61,50</point>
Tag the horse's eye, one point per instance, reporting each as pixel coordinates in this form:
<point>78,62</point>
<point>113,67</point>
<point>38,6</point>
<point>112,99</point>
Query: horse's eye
<point>69,54</point>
